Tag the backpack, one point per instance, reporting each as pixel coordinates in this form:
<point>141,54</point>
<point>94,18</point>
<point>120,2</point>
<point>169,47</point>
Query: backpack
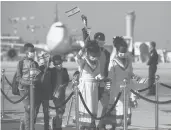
<point>15,83</point>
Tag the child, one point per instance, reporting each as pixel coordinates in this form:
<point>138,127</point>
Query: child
<point>23,77</point>
<point>60,80</point>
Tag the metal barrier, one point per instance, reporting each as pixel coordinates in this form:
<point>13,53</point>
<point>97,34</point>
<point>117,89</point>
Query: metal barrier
<point>156,102</point>
<point>32,105</point>
<point>157,105</point>
<point>32,96</point>
<point>125,127</point>
<point>2,97</point>
<point>3,115</point>
<point>33,74</point>
<point>77,107</point>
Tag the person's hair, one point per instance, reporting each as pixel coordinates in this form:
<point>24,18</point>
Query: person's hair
<point>119,42</point>
<point>93,48</point>
<point>27,45</point>
<point>57,58</point>
<point>100,36</point>
<point>153,44</point>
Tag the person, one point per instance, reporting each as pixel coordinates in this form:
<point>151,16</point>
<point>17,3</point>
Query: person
<point>23,77</point>
<point>120,69</point>
<point>87,59</point>
<point>60,80</point>
<point>152,63</point>
<point>103,96</point>
<point>45,88</point>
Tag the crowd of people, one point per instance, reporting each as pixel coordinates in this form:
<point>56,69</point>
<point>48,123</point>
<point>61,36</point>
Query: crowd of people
<point>95,65</point>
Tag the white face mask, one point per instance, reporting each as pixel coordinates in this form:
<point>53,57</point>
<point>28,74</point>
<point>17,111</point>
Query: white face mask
<point>31,55</point>
<point>58,66</point>
<point>121,55</point>
<point>92,58</point>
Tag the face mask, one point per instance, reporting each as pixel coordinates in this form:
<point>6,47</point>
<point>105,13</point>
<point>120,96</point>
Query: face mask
<point>121,55</point>
<point>92,58</point>
<point>58,66</point>
<point>31,55</point>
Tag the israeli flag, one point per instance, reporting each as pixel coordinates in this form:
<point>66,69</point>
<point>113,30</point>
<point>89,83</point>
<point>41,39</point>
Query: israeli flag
<point>72,11</point>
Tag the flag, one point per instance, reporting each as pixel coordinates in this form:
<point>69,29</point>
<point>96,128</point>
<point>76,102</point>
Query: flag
<point>73,11</point>
<point>140,80</point>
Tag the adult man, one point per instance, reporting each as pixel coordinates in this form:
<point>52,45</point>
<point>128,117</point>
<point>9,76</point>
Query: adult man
<point>104,63</point>
<point>152,62</point>
<point>23,77</point>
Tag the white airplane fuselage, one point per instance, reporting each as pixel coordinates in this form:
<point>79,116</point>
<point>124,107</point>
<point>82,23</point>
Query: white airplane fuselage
<point>58,40</point>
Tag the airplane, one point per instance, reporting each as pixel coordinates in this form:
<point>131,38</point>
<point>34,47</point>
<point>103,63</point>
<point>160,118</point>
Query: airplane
<point>59,40</point>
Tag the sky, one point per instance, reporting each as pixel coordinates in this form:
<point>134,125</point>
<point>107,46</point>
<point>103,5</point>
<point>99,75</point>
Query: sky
<point>153,19</point>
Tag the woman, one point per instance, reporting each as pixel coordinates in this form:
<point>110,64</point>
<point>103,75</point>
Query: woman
<point>120,68</point>
<point>88,62</point>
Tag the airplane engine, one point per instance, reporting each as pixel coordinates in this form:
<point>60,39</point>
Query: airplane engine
<point>12,53</point>
<point>58,40</point>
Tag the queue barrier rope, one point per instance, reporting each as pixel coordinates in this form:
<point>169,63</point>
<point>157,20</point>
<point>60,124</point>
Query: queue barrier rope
<point>107,113</point>
<point>63,103</point>
<point>149,100</point>
<point>165,85</point>
<point>14,102</point>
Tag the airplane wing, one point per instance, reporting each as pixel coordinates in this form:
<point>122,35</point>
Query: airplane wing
<point>13,45</point>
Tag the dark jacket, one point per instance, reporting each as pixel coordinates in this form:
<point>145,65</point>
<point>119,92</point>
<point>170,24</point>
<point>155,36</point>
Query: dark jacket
<point>105,61</point>
<point>153,59</point>
<point>59,77</point>
<point>60,80</point>
<point>46,83</point>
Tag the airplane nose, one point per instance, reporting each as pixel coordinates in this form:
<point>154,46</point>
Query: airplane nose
<point>57,39</point>
<point>55,36</point>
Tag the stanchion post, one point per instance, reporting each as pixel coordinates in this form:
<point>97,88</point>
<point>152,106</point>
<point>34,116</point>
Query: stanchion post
<point>32,113</point>
<point>2,97</point>
<point>33,74</point>
<point>77,108</point>
<point>69,112</point>
<point>125,104</point>
<point>156,105</point>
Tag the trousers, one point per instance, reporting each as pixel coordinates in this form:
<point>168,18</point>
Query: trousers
<point>26,103</point>
<point>45,105</point>
<point>59,112</point>
<point>152,71</point>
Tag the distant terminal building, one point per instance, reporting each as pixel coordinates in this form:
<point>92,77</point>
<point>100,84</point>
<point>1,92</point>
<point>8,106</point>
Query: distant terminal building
<point>11,39</point>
